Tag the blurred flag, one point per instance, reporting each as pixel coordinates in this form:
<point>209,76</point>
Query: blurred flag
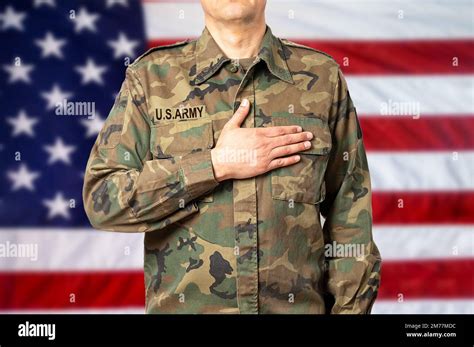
<point>409,65</point>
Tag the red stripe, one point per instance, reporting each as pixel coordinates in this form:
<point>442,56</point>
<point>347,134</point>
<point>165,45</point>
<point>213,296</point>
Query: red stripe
<point>386,133</point>
<point>164,42</point>
<point>408,57</point>
<point>423,207</point>
<point>391,57</point>
<point>52,290</point>
<point>440,279</point>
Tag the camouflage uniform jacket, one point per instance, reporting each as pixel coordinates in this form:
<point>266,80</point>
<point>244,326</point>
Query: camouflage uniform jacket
<point>240,246</point>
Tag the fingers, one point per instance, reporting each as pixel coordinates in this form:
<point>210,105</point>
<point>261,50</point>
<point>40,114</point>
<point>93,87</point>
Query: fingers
<point>284,151</point>
<point>282,162</point>
<point>289,139</point>
<point>281,130</point>
<point>239,115</point>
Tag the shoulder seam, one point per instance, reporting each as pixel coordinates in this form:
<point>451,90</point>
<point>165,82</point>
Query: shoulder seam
<point>157,48</point>
<point>297,45</point>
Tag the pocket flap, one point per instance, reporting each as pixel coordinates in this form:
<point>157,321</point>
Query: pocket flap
<point>321,142</point>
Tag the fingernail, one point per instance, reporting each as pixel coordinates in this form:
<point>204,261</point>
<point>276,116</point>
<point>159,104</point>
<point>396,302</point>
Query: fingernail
<point>297,158</point>
<point>299,129</point>
<point>309,136</point>
<point>244,103</point>
<point>307,144</point>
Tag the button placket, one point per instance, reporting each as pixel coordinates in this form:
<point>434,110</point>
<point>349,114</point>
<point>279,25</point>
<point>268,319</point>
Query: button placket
<point>245,220</point>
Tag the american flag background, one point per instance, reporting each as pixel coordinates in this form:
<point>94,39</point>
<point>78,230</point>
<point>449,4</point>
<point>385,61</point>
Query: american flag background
<point>409,66</point>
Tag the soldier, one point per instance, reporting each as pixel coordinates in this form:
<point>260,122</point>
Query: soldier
<point>226,151</point>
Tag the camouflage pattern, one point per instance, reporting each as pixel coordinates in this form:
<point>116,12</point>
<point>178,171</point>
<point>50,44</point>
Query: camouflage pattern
<point>241,246</point>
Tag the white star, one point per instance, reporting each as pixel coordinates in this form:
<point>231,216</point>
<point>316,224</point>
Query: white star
<point>22,124</point>
<point>59,152</point>
<point>38,3</point>
<point>111,3</point>
<point>50,46</point>
<point>55,97</point>
<point>123,46</point>
<point>19,72</point>
<point>91,72</point>
<point>93,125</point>
<point>85,20</point>
<point>12,19</point>
<point>23,178</point>
<point>57,206</point>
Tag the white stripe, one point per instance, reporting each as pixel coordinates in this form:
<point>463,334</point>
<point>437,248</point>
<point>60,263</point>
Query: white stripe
<point>125,310</point>
<point>329,19</point>
<point>421,171</point>
<point>424,242</point>
<point>89,250</point>
<point>72,249</point>
<point>430,95</point>
<point>424,306</point>
<point>380,307</point>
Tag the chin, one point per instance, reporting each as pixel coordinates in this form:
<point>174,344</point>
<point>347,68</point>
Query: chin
<point>236,11</point>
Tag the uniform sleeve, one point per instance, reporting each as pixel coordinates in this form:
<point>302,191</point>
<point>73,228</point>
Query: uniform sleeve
<point>353,278</point>
<point>125,189</point>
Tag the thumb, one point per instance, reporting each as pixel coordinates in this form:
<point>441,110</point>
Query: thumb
<point>239,115</point>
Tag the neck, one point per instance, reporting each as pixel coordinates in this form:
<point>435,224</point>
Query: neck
<point>238,41</point>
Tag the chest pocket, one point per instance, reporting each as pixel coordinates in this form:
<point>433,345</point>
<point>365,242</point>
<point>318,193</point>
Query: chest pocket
<point>171,142</point>
<point>304,181</point>
<point>181,138</point>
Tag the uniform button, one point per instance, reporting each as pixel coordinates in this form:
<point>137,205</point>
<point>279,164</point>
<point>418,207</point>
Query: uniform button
<point>233,68</point>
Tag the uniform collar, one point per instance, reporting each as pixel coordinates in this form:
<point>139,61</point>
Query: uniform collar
<point>209,57</point>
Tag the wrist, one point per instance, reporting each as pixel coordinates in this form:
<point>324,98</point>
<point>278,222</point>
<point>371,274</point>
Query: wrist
<point>220,173</point>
